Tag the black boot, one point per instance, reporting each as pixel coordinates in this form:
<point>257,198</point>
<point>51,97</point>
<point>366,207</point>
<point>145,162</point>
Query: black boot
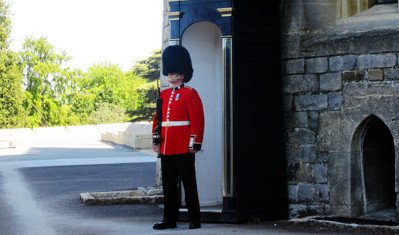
<point>164,224</point>
<point>194,225</point>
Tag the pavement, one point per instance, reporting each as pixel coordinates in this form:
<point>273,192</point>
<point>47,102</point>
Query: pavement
<point>40,189</point>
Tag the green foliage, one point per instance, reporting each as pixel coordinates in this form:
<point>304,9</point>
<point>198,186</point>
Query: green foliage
<point>108,84</point>
<point>42,69</point>
<point>150,70</point>
<point>37,89</point>
<point>111,85</point>
<point>150,67</point>
<point>148,95</point>
<point>12,113</point>
<point>80,109</point>
<point>5,26</point>
<point>50,85</point>
<point>107,113</point>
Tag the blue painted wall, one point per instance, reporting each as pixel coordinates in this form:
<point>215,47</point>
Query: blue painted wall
<point>199,10</point>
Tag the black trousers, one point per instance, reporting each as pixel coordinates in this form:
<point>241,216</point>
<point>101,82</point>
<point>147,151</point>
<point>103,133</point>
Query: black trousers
<point>176,168</point>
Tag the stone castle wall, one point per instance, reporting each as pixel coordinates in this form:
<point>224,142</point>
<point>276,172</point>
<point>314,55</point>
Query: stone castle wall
<point>335,76</point>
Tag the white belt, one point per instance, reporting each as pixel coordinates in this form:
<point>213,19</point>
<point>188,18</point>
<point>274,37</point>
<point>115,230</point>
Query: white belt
<point>175,123</point>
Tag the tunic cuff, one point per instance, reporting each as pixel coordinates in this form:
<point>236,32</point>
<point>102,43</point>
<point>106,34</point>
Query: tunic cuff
<point>155,139</point>
<point>193,145</point>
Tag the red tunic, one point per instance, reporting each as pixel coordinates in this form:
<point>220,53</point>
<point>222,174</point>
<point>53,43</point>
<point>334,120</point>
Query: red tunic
<point>182,110</point>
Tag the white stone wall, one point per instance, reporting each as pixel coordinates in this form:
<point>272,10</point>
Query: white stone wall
<point>136,135</point>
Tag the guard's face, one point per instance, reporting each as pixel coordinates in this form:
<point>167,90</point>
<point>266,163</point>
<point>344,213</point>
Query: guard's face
<point>175,77</point>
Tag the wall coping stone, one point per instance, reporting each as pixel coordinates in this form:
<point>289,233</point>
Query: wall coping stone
<point>353,38</point>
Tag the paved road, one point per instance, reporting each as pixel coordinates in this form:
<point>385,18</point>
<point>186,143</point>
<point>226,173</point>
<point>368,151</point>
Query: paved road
<point>40,187</point>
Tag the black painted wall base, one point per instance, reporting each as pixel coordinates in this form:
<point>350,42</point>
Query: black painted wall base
<point>213,216</point>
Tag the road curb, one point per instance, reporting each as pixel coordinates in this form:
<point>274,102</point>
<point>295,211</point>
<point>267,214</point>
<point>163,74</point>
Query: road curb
<point>142,195</point>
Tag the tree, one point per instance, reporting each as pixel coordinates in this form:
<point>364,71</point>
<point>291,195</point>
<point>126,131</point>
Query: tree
<point>111,90</point>
<point>107,113</point>
<point>42,67</point>
<point>148,95</point>
<point>149,68</point>
<point>12,113</point>
<point>56,95</point>
<point>49,84</point>
<point>5,26</point>
<point>106,81</point>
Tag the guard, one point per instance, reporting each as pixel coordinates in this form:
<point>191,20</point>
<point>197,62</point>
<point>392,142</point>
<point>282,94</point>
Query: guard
<point>180,137</point>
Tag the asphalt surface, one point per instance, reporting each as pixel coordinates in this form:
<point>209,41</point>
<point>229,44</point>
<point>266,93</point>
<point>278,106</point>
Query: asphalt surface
<point>40,188</point>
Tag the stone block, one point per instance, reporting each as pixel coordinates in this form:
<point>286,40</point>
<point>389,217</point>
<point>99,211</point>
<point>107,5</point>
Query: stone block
<point>318,13</point>
<point>330,135</point>
<point>313,120</point>
<point>294,66</point>
<point>301,137</point>
<point>311,102</point>
<point>143,141</point>
<point>294,154</point>
<point>323,157</point>
<point>313,82</point>
<point>376,75</point>
<point>292,45</point>
<point>339,179</point>
<point>378,98</point>
<point>292,193</point>
<point>320,173</point>
<point>309,154</point>
<point>136,135</point>
<point>122,197</point>
<point>342,63</point>
<point>374,61</point>
<point>295,120</point>
<point>154,192</point>
<point>335,101</point>
<point>294,12</point>
<point>328,210</point>
<point>314,210</point>
<point>330,82</point>
<point>306,193</point>
<point>291,172</point>
<point>372,37</point>
<point>297,210</point>
<point>391,74</point>
<point>322,193</point>
<point>353,76</point>
<point>288,103</point>
<point>304,174</point>
<point>300,83</point>
<point>317,65</point>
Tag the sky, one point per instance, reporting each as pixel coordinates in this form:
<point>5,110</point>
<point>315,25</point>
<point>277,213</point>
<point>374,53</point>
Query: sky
<point>91,31</point>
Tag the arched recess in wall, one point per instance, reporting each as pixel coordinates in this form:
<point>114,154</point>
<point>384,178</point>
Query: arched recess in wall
<point>204,42</point>
<point>372,168</point>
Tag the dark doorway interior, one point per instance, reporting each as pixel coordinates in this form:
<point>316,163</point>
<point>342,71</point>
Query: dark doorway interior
<point>378,167</point>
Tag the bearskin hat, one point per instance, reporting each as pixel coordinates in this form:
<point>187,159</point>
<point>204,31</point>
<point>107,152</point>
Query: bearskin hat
<point>176,59</point>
